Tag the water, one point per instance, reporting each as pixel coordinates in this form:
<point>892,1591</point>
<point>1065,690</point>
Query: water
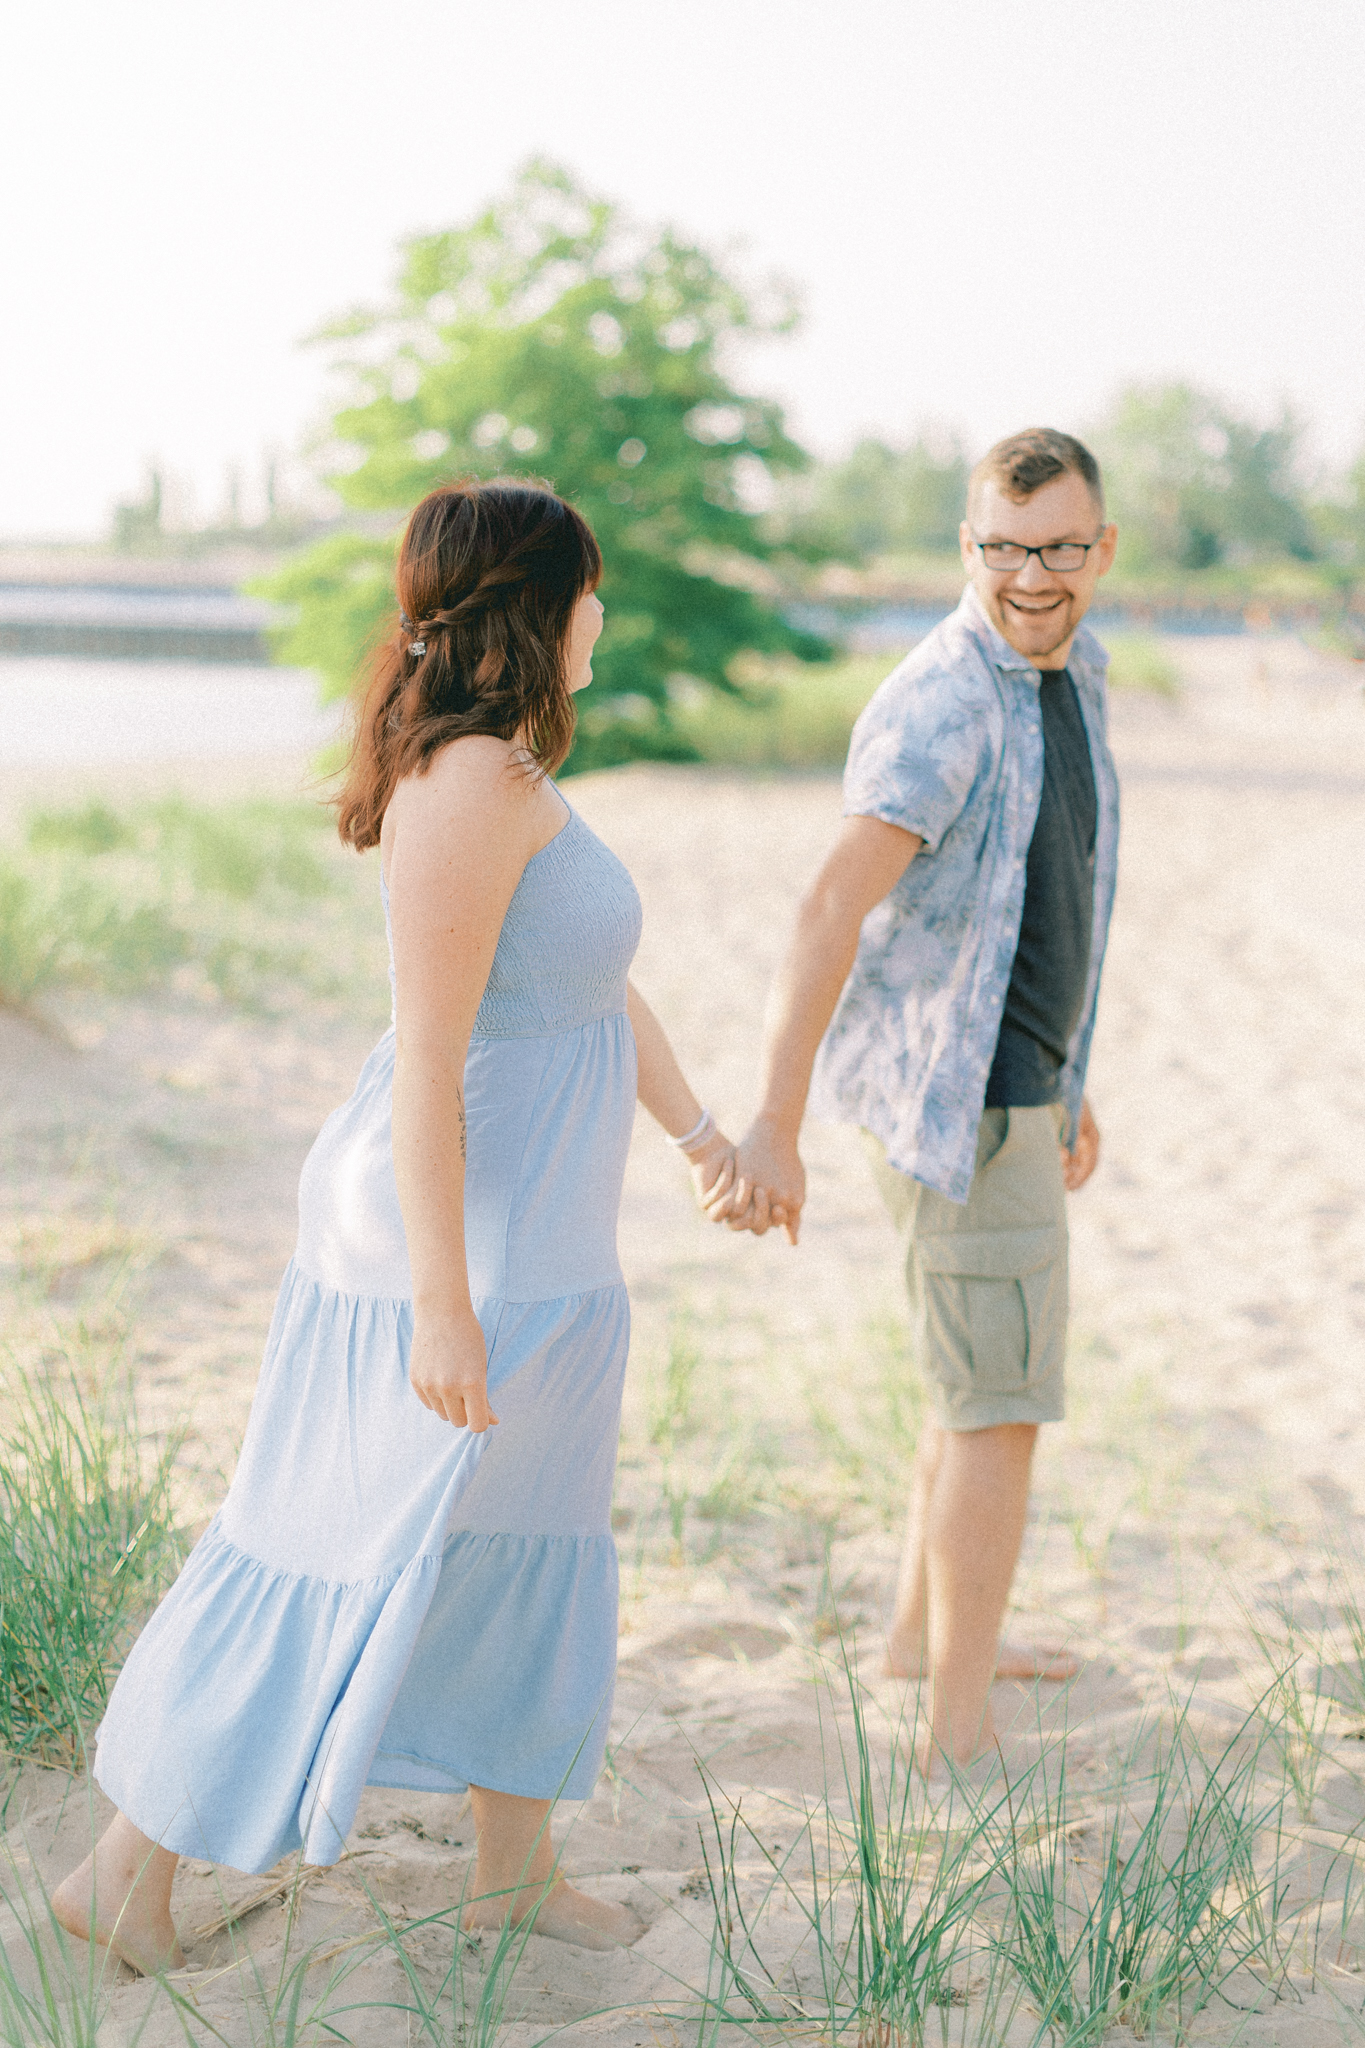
<point>59,713</point>
<point>132,606</point>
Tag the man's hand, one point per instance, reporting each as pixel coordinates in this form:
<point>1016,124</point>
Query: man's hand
<point>769,1187</point>
<point>448,1370</point>
<point>1079,1163</point>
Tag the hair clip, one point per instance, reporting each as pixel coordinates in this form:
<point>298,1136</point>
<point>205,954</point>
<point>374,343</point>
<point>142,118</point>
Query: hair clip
<point>417,647</point>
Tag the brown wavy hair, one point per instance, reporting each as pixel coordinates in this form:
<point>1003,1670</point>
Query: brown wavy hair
<point>488,577</point>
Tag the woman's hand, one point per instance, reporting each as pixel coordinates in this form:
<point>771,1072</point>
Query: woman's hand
<point>449,1370</point>
<point>713,1167</point>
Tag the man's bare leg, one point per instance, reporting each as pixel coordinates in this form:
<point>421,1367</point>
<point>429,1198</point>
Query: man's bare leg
<point>907,1641</point>
<point>907,1637</point>
<point>974,1531</point>
<point>515,1865</point>
<point>120,1899</point>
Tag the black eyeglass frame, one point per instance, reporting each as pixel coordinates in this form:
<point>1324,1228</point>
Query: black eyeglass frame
<point>1049,548</point>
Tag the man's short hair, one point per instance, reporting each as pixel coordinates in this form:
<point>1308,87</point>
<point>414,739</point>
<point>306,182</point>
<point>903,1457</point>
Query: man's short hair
<point>1022,463</point>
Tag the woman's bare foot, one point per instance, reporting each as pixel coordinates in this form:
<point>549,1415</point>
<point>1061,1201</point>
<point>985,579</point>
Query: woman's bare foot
<point>564,1914</point>
<point>132,1921</point>
<point>1012,1660</point>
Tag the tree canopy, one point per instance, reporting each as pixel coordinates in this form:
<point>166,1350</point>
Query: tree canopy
<point>551,337</point>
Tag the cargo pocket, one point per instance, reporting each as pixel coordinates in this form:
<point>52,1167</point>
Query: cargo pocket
<point>999,1297</point>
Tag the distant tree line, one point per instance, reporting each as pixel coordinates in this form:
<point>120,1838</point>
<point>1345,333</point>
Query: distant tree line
<point>1192,482</point>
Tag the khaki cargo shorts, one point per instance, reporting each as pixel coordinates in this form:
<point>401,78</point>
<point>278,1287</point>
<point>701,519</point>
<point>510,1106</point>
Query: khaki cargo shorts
<point>987,1278</point>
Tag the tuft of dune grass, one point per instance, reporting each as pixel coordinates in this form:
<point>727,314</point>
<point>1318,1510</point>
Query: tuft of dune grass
<point>223,901</point>
<point>87,1544</point>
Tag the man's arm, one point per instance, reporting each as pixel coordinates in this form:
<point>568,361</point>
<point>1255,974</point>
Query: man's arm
<point>867,859</point>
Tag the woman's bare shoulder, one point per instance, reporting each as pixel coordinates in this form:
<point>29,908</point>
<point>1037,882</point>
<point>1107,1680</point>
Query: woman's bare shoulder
<point>478,773</point>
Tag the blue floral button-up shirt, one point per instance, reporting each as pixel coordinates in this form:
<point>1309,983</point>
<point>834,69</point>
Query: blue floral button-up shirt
<point>951,747</point>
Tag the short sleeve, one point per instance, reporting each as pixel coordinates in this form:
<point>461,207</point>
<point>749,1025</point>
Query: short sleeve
<point>914,755</point>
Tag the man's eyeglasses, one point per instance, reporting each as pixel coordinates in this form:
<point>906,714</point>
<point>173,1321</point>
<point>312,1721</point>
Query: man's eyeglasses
<point>1060,555</point>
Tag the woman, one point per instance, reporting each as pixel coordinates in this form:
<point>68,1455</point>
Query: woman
<point>412,1581</point>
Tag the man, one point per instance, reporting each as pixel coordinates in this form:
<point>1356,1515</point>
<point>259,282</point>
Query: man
<point>945,968</point>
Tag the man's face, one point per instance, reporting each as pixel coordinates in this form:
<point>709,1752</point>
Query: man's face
<point>1036,609</point>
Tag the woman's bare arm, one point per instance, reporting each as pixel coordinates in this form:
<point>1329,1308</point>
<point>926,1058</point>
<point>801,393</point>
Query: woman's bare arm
<point>455,843</point>
<point>665,1094</point>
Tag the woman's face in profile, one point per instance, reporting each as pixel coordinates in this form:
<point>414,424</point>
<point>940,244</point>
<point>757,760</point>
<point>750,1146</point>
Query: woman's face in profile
<point>584,627</point>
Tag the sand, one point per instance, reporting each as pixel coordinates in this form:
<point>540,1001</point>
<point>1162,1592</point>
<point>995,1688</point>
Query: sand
<point>1209,1473</point>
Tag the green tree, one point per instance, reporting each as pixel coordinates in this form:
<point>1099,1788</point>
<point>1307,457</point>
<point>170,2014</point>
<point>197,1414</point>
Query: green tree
<point>1191,483</point>
<point>1265,509</point>
<point>878,500</point>
<point>1339,524</point>
<point>551,337</point>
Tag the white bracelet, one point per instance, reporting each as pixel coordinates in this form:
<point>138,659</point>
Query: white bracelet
<point>702,1128</point>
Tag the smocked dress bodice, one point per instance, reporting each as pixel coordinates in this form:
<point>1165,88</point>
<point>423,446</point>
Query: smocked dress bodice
<point>566,944</point>
<point>552,1050</point>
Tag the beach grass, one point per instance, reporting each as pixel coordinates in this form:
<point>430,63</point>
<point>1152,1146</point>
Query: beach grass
<point>1139,661</point>
<point>49,1999</point>
<point>88,1541</point>
<point>1167,1903</point>
<point>1136,1904</point>
<point>239,903</point>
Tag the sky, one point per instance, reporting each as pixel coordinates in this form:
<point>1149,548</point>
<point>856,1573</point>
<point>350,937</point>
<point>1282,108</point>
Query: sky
<point>995,214</point>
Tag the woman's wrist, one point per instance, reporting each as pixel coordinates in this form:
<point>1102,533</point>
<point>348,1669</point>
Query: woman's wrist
<point>693,1141</point>
<point>714,1142</point>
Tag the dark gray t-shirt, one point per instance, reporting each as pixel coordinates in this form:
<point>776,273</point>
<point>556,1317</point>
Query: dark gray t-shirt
<point>1047,984</point>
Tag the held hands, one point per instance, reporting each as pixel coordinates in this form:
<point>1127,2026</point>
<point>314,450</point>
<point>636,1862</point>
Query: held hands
<point>727,1190</point>
<point>449,1370</point>
<point>768,1186</point>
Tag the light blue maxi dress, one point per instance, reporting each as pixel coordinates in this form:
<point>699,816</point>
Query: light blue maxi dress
<point>383,1599</point>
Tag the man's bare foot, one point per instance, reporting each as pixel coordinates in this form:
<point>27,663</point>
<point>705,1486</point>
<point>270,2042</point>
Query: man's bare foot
<point>1012,1660</point>
<point>564,1914</point>
<point>937,1766</point>
<point>138,1933</point>
<point>1051,1662</point>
